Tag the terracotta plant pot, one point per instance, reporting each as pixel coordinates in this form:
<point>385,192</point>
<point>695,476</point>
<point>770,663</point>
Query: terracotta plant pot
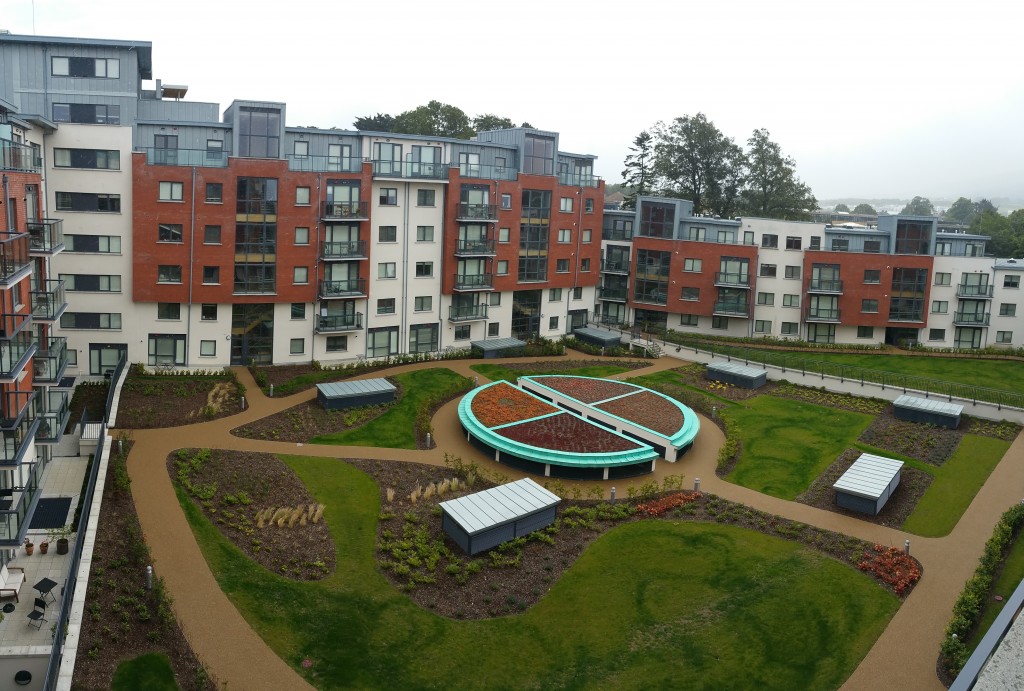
<point>29,548</point>
<point>43,546</point>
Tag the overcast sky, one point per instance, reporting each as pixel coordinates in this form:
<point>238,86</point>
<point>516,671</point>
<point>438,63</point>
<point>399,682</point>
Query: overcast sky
<point>871,98</point>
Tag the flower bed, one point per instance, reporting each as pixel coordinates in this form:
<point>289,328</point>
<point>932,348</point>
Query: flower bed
<point>503,403</point>
<point>567,432</point>
<point>648,410</point>
<point>672,501</point>
<point>919,440</point>
<point>891,566</point>
<point>586,390</point>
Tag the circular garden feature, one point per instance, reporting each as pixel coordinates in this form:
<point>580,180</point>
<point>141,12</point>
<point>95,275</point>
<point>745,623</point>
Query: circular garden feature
<point>577,427</point>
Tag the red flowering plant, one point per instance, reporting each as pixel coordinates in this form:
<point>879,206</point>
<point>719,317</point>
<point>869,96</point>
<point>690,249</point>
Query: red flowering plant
<point>891,566</point>
<point>672,501</point>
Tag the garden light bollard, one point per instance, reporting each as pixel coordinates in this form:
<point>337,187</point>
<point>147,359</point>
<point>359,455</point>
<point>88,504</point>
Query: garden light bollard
<point>271,390</point>
<point>149,578</point>
<point>906,547</point>
<point>429,441</point>
<point>613,495</point>
<point>476,381</point>
<point>714,412</point>
<point>696,484</point>
<point>243,402</point>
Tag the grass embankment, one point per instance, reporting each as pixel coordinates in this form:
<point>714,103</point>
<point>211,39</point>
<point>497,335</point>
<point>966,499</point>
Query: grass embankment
<point>650,604</point>
<point>497,372</point>
<point>151,671</point>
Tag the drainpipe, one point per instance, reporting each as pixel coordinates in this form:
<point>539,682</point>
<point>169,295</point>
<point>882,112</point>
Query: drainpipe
<point>7,207</point>
<point>405,272</point>
<point>191,269</point>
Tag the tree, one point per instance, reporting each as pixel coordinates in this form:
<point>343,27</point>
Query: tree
<point>985,207</point>
<point>1003,242</point>
<point>638,174</point>
<point>842,209</point>
<point>490,121</point>
<point>865,209</point>
<point>961,211</point>
<point>695,161</point>
<point>434,119</point>
<point>381,122</point>
<point>772,189</point>
<point>919,206</point>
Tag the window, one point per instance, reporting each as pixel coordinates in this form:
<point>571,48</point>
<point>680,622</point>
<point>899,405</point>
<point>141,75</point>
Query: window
<point>552,323</point>
<point>211,274</point>
<point>719,322</point>
<point>566,204</point>
<point>1004,336</point>
<point>423,338</point>
<point>386,270</point>
<point>301,148</point>
<point>100,159</point>
<point>207,348</point>
<point>565,235</point>
<point>387,234</point>
<point>90,320</point>
<point>86,201</point>
<point>554,294</point>
<point>586,236</point>
<point>389,196</point>
<point>425,197</point>
<point>762,326</point>
<point>300,275</point>
<point>503,235</point>
<point>169,232</point>
<point>101,244</point>
<point>168,310</point>
<point>792,242</point>
<point>588,206</point>
<point>689,320</point>
<point>872,276</point>
<point>208,313</point>
<point>694,265</point>
<point>1007,309</point>
<point>423,303</point>
<point>171,191</point>
<point>462,333</point>
<point>502,267</point>
<point>424,269</point>
<point>691,293</point>
<point>1011,281</point>
<point>790,300</point>
<point>790,328</point>
<point>865,332</point>
<point>942,278</point>
<point>792,272</point>
<point>386,306</point>
<point>301,194</point>
<point>940,306</point>
<point>936,334</point>
<point>214,149</point>
<point>840,245</point>
<point>494,299</point>
<point>506,201</point>
<point>867,305</point>
<point>211,235</point>
<point>302,236</point>
<point>259,132</point>
<point>562,266</point>
<point>493,330</point>
<point>873,246</point>
<point>748,237</point>
<point>585,264</point>
<point>766,298</point>
<point>693,233</point>
<point>424,233</point>
<point>577,293</point>
<point>87,113</point>
<point>943,249</point>
<point>297,346</point>
<point>768,270</point>
<point>337,344</point>
<point>769,241</point>
<point>94,68</point>
<point>214,192</point>
<point>166,349</point>
<point>168,273</point>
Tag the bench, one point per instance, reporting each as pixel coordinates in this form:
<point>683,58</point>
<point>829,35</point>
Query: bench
<point>10,581</point>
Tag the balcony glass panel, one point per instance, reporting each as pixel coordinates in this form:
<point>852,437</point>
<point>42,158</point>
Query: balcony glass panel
<point>16,156</point>
<point>46,236</point>
<point>458,313</point>
<point>474,281</point>
<point>344,288</point>
<point>50,361</point>
<point>330,323</point>
<point>204,158</point>
<point>14,259</point>
<point>48,304</point>
<point>354,249</point>
<point>351,210</point>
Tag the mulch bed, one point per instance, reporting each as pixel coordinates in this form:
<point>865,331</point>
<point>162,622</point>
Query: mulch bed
<point>913,484</point>
<point>553,366</point>
<point>304,421</point>
<point>929,443</point>
<point>695,375</point>
<point>149,401</point>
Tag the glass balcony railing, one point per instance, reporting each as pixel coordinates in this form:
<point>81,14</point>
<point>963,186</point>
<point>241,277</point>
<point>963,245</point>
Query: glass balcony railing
<point>579,180</point>
<point>13,519</point>
<point>617,235</point>
<point>50,361</point>
<point>466,313</point>
<point>474,281</point>
<point>486,172</point>
<point>53,416</point>
<point>350,287</point>
<point>723,278</point>
<point>410,169</point>
<point>15,353</point>
<point>256,207</point>
<point>479,247</point>
<point>353,211</point>
<point>477,212</point>
<point>15,406</point>
<point>14,259</point>
<point>46,236</point>
<point>731,308</point>
<point>333,323</point>
<point>354,249</point>
<point>616,294</point>
<point>49,303</point>
<point>820,285</point>
<point>965,290</point>
<point>14,442</point>
<point>21,157</point>
<point>615,266</point>
<point>971,318</point>
<point>202,158</point>
<point>325,164</point>
<point>822,314</point>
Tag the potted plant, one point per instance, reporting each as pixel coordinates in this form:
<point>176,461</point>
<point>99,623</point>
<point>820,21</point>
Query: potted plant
<point>29,547</point>
<point>60,535</point>
<point>44,546</point>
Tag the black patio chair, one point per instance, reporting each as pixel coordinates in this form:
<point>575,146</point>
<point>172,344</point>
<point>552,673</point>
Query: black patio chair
<point>36,616</point>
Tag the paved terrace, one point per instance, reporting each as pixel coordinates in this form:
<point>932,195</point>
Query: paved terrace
<point>903,657</point>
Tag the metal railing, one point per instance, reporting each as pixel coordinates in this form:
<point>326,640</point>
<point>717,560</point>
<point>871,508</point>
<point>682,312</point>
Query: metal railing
<point>46,235</point>
<point>353,249</point>
<point>486,172</point>
<point>617,294</point>
<point>731,308</point>
<point>54,413</point>
<point>819,285</point>
<point>823,314</point>
<point>474,281</point>
<point>410,169</point>
<point>461,313</point>
<point>344,288</point>
<point>615,266</point>
<point>355,211</point>
<point>474,247</point>
<point>15,352</point>
<point>579,180</point>
<point>14,257</point>
<point>50,362</point>
<point>966,290</point>
<point>48,304</point>
<point>732,279</point>
<point>331,323</point>
<point>325,164</point>
<point>971,318</point>
<point>202,158</point>
<point>16,156</point>
<point>477,212</point>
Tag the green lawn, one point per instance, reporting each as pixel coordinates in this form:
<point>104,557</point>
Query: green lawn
<point>651,604</point>
<point>787,444</point>
<point>151,672</point>
<point>655,380</point>
<point>1009,579</point>
<point>394,429</point>
<point>496,372</point>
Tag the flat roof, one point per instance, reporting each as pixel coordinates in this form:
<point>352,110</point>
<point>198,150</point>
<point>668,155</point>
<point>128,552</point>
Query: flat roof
<point>737,368</point>
<point>598,333</point>
<point>928,405</point>
<point>498,343</point>
<point>502,504</point>
<point>359,387</point>
<point>869,476</point>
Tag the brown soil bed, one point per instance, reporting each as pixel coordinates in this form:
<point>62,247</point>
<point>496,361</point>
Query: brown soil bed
<point>308,420</point>
<point>929,443</point>
<point>89,399</point>
<point>149,401</point>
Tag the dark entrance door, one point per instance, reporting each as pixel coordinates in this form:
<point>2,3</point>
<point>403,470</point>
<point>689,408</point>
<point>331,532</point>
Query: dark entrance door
<point>252,334</point>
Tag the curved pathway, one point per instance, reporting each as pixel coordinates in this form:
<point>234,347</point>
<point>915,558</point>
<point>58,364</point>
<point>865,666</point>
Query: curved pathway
<point>904,656</point>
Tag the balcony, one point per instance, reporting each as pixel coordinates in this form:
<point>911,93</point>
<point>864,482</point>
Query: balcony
<point>53,417</point>
<point>486,172</point>
<point>651,297</point>
<point>579,180</point>
<point>354,249</point>
<point>474,281</point>
<point>201,158</point>
<point>15,353</point>
<point>613,294</point>
<point>325,164</point>
<point>731,308</point>
<point>475,248</point>
<point>416,170</point>
<point>349,211</point>
<point>50,361</point>
<point>615,266</point>
<point>15,442</point>
<point>20,157</point>
<point>14,260</point>
<point>819,285</point>
<point>347,288</point>
<point>610,319</point>
<point>46,236</point>
<point>822,314</point>
<point>909,315</point>
<point>617,235</point>
<point>477,212</point>
<point>965,290</point>
<point>732,280</point>
<point>336,323</point>
<point>15,406</point>
<point>971,318</point>
<point>48,304</point>
<point>467,313</point>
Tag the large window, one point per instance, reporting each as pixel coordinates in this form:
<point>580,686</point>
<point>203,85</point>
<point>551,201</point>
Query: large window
<point>87,113</point>
<point>86,201</point>
<point>533,235</point>
<point>423,338</point>
<point>90,320</point>
<point>381,342</point>
<point>539,155</point>
<point>94,68</point>
<point>102,159</point>
<point>168,273</point>
<point>171,191</point>
<point>100,244</point>
<point>169,232</point>
<point>91,283</point>
<point>259,132</point>
<point>255,268</point>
